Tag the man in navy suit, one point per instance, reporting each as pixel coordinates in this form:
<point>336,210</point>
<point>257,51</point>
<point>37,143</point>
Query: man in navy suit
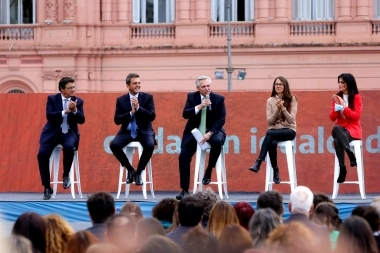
<point>135,112</point>
<point>63,112</point>
<point>214,132</point>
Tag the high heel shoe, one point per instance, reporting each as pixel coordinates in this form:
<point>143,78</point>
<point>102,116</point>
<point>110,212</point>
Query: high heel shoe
<point>276,176</point>
<point>342,175</point>
<point>256,166</point>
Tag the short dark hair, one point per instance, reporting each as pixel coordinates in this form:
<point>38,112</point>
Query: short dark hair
<point>65,80</point>
<point>165,209</point>
<point>272,200</point>
<point>190,210</point>
<point>130,76</point>
<point>100,205</point>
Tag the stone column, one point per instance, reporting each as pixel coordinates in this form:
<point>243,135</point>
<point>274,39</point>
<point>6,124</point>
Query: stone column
<point>263,10</point>
<point>200,13</point>
<point>362,9</point>
<point>51,10</point>
<point>70,10</point>
<point>281,10</point>
<point>345,9</point>
<point>122,10</point>
<point>183,11</point>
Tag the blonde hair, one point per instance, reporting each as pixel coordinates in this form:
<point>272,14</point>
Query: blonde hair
<point>58,232</point>
<point>222,214</point>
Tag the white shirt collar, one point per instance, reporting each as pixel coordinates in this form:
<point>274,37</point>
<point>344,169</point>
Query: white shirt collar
<point>63,98</point>
<point>136,96</point>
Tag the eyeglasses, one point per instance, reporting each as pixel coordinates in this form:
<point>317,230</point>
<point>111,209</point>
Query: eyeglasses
<point>278,84</point>
<point>70,88</point>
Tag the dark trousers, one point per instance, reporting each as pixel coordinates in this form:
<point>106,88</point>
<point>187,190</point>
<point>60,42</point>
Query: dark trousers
<point>69,142</point>
<point>342,139</point>
<point>216,141</point>
<point>272,137</point>
<point>123,138</point>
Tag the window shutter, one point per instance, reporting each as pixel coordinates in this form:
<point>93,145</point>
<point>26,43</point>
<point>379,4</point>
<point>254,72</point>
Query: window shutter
<point>330,9</point>
<point>172,11</point>
<point>318,9</point>
<point>233,13</point>
<point>305,9</point>
<point>214,10</point>
<point>136,11</point>
<point>3,12</point>
<point>377,9</point>
<point>221,8</point>
<point>295,9</point>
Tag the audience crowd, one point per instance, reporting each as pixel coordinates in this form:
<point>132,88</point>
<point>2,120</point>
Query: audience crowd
<point>200,223</point>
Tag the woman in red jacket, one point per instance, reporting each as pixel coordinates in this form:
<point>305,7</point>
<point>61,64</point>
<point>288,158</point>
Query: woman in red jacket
<point>346,109</point>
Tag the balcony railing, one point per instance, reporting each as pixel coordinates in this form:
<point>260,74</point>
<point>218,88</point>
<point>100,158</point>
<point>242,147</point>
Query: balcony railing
<point>147,31</point>
<point>21,32</point>
<point>312,28</point>
<point>237,30</point>
<point>376,28</point>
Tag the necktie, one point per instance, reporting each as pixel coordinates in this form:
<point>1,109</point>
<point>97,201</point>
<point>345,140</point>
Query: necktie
<point>65,127</point>
<point>133,127</point>
<point>202,127</point>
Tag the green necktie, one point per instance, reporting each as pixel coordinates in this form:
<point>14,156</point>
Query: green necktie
<point>202,127</point>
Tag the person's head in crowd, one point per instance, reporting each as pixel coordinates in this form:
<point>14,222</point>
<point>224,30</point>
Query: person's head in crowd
<point>160,244</point>
<point>222,215</point>
<point>293,237</point>
<point>103,248</point>
<point>244,212</point>
<point>164,211</point>
<point>264,221</point>
<point>33,227</point>
<point>373,219</point>
<point>356,236</point>
<point>132,209</point>
<point>15,244</point>
<point>360,210</point>
<point>327,214</point>
<point>209,198</point>
<point>301,200</point>
<point>234,238</point>
<point>121,231</point>
<point>319,198</point>
<point>148,227</point>
<point>80,241</point>
<point>190,210</point>
<point>198,240</point>
<point>376,204</point>
<point>273,200</point>
<point>58,232</point>
<point>101,206</point>
<point>175,222</point>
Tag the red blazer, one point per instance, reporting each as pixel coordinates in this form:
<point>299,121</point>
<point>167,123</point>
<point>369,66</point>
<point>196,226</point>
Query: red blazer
<point>351,121</point>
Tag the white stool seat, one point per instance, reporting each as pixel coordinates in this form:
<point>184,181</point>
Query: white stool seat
<point>357,147</point>
<point>290,158</point>
<point>129,150</point>
<point>54,163</point>
<point>220,172</point>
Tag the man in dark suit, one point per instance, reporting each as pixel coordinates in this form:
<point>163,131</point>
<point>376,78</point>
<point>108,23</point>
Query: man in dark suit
<point>63,112</point>
<point>135,112</point>
<point>214,134</point>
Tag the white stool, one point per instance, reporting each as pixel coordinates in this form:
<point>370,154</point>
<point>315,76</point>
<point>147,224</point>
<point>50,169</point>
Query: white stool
<point>358,150</point>
<point>54,163</point>
<point>129,150</point>
<point>290,158</point>
<point>220,172</point>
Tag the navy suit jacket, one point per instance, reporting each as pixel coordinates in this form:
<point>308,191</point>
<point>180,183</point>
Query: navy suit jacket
<point>214,120</point>
<point>54,118</point>
<point>144,115</point>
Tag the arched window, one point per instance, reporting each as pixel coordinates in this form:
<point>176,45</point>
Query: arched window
<point>313,9</point>
<point>16,91</point>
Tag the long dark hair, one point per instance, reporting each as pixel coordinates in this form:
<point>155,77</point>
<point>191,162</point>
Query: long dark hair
<point>286,95</point>
<point>350,81</point>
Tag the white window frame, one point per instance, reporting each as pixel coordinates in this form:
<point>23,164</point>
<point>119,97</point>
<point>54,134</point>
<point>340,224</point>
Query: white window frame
<point>139,11</point>
<point>5,17</point>
<point>218,10</point>
<point>313,9</point>
<point>376,9</point>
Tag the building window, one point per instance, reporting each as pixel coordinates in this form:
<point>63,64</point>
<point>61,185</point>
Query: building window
<point>17,11</point>
<point>377,9</point>
<point>153,11</point>
<point>313,9</point>
<point>241,10</point>
<point>16,91</point>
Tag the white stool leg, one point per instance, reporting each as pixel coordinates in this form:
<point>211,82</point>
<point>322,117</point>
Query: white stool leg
<point>336,175</point>
<point>150,174</point>
<point>71,176</point>
<point>289,159</point>
<point>121,172</point>
<point>196,170</point>
<point>56,154</point>
<point>219,176</point>
<point>77,173</point>
<point>143,173</point>
<point>224,176</point>
<point>358,149</point>
<point>268,175</point>
<point>129,152</point>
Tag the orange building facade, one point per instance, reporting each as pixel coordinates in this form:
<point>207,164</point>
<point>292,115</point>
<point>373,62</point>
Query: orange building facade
<point>170,42</point>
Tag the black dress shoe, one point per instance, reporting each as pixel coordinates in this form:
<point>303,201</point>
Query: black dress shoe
<point>138,180</point>
<point>182,194</point>
<point>47,193</point>
<point>256,166</point>
<point>130,176</point>
<point>342,175</point>
<point>276,176</point>
<point>66,182</point>
<point>206,180</point>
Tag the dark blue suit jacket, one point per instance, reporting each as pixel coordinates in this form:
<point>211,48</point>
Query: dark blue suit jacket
<point>54,118</point>
<point>214,120</point>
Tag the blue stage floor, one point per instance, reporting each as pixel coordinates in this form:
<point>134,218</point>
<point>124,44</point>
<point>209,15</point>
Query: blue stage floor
<point>75,210</point>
